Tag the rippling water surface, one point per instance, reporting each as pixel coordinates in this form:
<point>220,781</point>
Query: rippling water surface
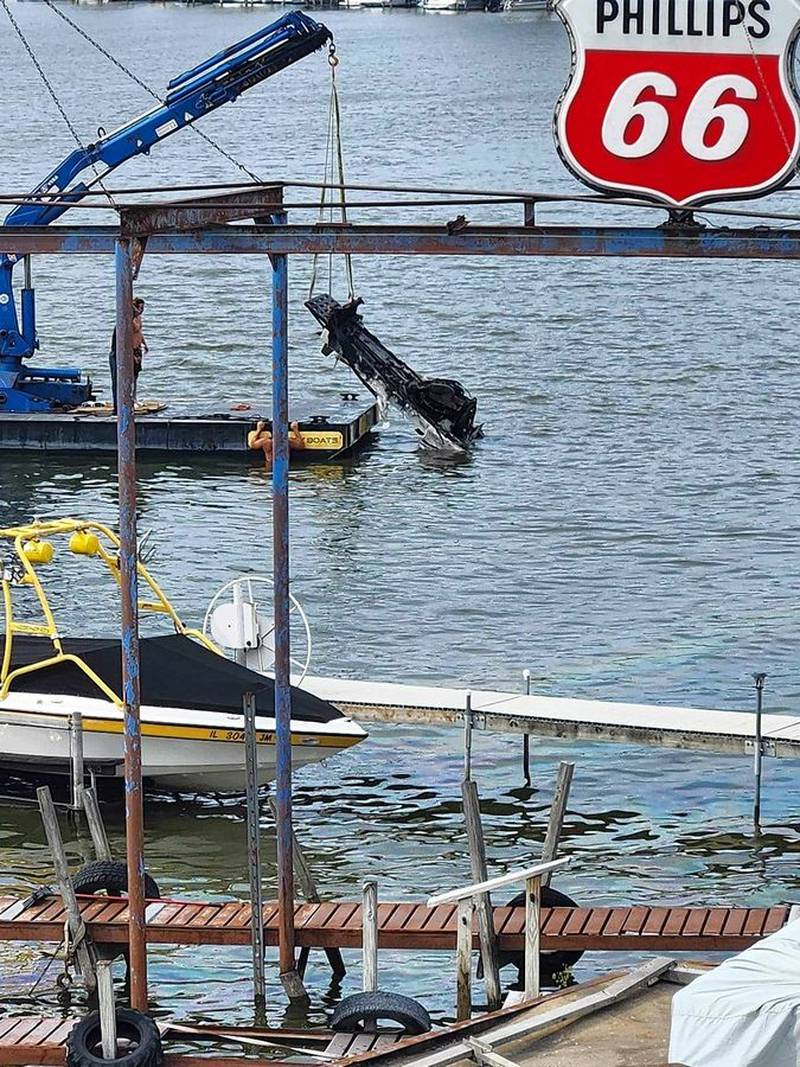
<point>627,529</point>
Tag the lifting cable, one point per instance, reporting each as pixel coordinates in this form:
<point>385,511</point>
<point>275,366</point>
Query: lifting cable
<point>54,96</point>
<point>142,85</point>
<point>334,167</point>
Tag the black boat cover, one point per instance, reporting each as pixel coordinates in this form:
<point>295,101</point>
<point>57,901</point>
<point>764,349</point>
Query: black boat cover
<point>177,672</point>
<point>441,403</point>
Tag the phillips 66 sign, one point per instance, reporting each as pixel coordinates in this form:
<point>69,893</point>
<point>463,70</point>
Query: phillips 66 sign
<point>680,101</point>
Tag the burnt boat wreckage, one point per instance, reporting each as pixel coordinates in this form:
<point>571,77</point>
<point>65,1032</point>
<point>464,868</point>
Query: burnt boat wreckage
<point>56,409</point>
<point>441,409</point>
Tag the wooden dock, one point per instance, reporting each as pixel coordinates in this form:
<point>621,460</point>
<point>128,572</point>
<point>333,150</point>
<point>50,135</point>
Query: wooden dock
<point>404,925</point>
<point>26,1040</point>
<point>566,718</point>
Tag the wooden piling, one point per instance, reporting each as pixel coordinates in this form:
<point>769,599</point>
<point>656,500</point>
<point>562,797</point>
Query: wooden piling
<point>369,936</point>
<point>77,930</point>
<point>464,897</point>
<point>309,889</point>
<point>558,810</point>
<point>532,935</point>
<point>108,1014</point>
<point>102,849</point>
<point>129,611</point>
<point>483,904</point>
<point>464,960</point>
<point>468,724</point>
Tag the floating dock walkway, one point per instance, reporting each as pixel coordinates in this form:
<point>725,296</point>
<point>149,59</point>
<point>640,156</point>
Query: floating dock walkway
<point>730,732</point>
<point>325,436</point>
<point>403,925</point>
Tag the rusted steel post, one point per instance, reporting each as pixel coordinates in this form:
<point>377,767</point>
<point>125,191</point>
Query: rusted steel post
<point>254,852</point>
<point>280,565</point>
<point>129,596</point>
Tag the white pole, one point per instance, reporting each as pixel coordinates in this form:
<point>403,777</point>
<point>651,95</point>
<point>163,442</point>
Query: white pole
<point>369,936</point>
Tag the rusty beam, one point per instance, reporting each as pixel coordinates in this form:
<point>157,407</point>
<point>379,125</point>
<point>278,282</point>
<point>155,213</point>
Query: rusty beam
<point>199,213</point>
<point>570,241</point>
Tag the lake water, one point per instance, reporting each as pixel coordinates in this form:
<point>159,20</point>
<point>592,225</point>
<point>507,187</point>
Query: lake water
<point>627,529</point>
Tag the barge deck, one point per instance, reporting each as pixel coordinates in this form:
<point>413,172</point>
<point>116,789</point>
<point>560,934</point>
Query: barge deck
<point>325,436</point>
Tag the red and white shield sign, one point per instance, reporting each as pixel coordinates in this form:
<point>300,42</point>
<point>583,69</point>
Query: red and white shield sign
<point>681,101</point>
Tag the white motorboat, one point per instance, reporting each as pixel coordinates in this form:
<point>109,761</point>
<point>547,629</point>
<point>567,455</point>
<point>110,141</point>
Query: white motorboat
<point>527,5</point>
<point>453,5</point>
<point>192,723</point>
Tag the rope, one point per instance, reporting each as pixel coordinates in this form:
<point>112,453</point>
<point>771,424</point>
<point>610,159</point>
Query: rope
<point>143,85</point>
<point>348,259</point>
<point>322,201</point>
<point>333,169</point>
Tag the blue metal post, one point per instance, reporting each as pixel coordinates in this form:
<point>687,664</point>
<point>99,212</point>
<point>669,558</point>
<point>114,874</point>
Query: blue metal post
<point>280,556</point>
<point>129,595</point>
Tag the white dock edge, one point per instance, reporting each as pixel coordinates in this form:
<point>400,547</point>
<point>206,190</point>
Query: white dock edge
<point>562,717</point>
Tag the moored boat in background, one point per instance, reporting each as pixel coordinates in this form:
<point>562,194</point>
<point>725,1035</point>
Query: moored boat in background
<point>192,721</point>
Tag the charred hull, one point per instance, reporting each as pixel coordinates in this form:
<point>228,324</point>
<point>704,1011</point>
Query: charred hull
<point>441,408</point>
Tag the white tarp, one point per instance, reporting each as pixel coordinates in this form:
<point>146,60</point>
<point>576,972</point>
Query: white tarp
<point>744,1013</point>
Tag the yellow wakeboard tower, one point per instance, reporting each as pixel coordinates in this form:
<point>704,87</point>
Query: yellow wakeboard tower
<point>32,547</point>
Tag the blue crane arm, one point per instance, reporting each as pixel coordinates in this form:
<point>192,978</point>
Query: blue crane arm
<point>196,92</point>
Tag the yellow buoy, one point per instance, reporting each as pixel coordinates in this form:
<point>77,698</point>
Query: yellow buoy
<point>83,543</point>
<point>37,551</point>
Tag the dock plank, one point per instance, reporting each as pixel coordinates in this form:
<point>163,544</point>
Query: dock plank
<point>43,1033</point>
<point>776,918</point>
<point>715,923</point>
<point>655,922</point>
<point>577,920</point>
<point>24,1025</point>
<point>676,920</point>
<point>400,917</point>
<point>755,921</point>
<point>597,920</point>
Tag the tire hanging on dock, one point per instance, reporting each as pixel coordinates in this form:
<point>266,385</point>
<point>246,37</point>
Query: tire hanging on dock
<point>361,1010</point>
<point>138,1042</point>
<point>110,876</point>
<point>550,963</point>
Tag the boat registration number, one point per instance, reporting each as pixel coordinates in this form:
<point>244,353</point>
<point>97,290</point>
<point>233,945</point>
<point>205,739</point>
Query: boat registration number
<point>262,736</point>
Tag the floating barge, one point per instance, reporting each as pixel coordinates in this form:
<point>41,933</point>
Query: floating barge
<point>325,436</point>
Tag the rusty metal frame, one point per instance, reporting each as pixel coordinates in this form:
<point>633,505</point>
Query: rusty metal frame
<point>362,239</point>
<point>213,226</point>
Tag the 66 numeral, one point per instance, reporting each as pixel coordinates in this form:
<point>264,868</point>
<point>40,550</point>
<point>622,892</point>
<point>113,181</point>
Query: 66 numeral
<point>625,106</point>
